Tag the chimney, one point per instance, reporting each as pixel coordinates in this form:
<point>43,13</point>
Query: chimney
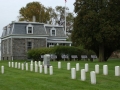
<point>34,19</point>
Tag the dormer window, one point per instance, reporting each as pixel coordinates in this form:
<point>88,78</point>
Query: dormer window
<point>29,29</point>
<point>53,32</point>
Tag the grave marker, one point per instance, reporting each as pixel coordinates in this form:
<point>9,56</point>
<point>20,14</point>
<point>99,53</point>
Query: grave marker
<point>51,70</point>
<point>68,66</point>
<point>97,69</point>
<point>59,65</point>
<point>83,75</point>
<point>40,68</point>
<point>18,65</point>
<point>77,67</point>
<point>9,64</point>
<point>47,60</point>
<point>117,71</point>
<point>93,77</point>
<point>45,69</point>
<point>31,67</point>
<point>22,65</point>
<point>2,69</point>
<point>26,66</point>
<point>105,69</point>
<point>73,73</point>
<point>86,67</point>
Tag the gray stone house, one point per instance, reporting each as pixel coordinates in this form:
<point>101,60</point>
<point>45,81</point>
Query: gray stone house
<point>18,37</point>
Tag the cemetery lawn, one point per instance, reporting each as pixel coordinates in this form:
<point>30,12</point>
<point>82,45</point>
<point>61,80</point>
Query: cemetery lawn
<point>17,79</point>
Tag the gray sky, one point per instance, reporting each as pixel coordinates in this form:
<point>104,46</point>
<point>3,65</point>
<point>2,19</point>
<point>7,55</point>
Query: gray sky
<point>10,9</point>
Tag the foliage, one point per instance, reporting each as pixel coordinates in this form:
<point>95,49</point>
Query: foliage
<point>59,50</point>
<point>97,26</point>
<point>34,9</point>
<point>35,54</point>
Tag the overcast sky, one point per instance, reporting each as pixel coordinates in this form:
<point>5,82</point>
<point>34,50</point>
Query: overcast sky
<point>10,9</point>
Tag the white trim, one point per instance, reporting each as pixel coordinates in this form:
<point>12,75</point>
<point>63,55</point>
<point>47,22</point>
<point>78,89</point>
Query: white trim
<point>58,39</point>
<point>11,46</point>
<point>48,25</point>
<point>24,36</point>
<point>27,29</point>
<point>59,42</point>
<point>28,22</point>
<point>45,29</point>
<point>12,28</point>
<point>51,32</point>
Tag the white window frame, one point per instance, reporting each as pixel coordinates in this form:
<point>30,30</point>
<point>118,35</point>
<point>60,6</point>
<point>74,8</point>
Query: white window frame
<point>27,29</point>
<point>31,45</point>
<point>51,32</point>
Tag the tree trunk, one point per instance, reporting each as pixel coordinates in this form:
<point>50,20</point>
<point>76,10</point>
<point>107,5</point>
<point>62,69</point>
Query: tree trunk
<point>101,52</point>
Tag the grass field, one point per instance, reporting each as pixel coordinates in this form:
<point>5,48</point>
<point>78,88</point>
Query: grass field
<point>17,79</point>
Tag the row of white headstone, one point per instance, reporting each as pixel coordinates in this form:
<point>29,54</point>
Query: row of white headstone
<point>32,64</point>
<point>86,67</point>
<point>2,69</point>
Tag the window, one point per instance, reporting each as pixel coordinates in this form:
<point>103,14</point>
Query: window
<point>29,45</point>
<point>29,29</point>
<point>53,32</point>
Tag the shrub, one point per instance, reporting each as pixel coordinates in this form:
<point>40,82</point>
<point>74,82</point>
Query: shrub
<point>35,54</point>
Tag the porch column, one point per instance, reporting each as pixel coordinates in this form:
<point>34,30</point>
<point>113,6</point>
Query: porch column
<point>70,44</point>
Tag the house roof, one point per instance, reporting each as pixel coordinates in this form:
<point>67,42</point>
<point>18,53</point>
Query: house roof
<point>39,29</point>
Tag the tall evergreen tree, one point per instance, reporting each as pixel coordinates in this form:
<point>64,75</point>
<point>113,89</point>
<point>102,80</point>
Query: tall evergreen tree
<point>97,26</point>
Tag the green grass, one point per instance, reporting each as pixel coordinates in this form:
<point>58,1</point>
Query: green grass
<point>16,79</point>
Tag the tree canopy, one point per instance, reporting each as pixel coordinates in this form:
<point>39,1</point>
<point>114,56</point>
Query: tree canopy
<point>97,26</point>
<point>47,14</point>
<point>34,9</point>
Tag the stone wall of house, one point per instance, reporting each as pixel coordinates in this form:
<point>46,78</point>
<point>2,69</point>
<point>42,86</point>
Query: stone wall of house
<point>19,46</point>
<point>6,49</point>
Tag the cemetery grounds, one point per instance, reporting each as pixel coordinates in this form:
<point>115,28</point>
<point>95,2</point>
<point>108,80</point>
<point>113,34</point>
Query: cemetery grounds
<point>17,79</point>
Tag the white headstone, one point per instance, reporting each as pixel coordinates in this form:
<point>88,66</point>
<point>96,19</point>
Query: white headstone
<point>59,65</point>
<point>39,63</point>
<point>12,64</point>
<point>86,67</point>
<point>31,67</point>
<point>117,71</point>
<point>93,77</point>
<point>36,68</point>
<point>77,67</point>
<point>68,66</point>
<point>31,61</point>
<point>9,64</point>
<point>105,69</point>
<point>51,70</point>
<point>26,66</point>
<point>35,63</point>
<point>45,69</point>
<point>18,65</point>
<point>73,73</point>
<point>22,66</point>
<point>2,69</point>
<point>40,68</point>
<point>83,75</point>
<point>97,69</point>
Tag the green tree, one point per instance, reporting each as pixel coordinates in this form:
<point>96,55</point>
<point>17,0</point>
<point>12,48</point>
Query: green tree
<point>34,9</point>
<point>97,26</point>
